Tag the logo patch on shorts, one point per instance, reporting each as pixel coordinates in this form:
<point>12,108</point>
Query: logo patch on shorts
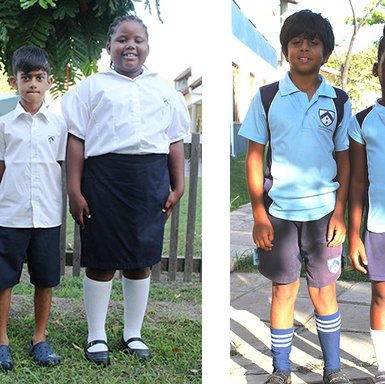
<point>327,117</point>
<point>334,265</point>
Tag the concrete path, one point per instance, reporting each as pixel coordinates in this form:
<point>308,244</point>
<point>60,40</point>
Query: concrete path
<point>250,333</point>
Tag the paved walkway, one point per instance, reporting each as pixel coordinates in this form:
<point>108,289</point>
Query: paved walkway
<point>250,333</point>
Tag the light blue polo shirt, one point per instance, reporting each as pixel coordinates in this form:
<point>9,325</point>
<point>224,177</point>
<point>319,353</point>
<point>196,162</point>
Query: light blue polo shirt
<point>303,137</point>
<point>372,134</point>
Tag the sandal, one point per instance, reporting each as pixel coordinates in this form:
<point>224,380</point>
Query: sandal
<point>143,354</point>
<point>100,357</point>
<point>43,354</point>
<point>5,358</point>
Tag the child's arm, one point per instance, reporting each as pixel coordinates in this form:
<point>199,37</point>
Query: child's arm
<point>337,228</point>
<point>2,169</point>
<point>263,232</point>
<point>75,163</point>
<point>176,170</point>
<point>357,195</point>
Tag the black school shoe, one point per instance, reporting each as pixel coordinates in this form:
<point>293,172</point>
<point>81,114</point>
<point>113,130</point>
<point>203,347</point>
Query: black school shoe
<point>279,377</point>
<point>101,357</point>
<point>142,354</point>
<point>336,378</point>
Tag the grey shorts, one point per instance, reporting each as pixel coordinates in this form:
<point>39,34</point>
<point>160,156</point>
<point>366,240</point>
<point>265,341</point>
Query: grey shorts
<point>375,252</point>
<point>296,241</point>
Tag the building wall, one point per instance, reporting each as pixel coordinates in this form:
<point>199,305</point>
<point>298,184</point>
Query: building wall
<point>255,56</point>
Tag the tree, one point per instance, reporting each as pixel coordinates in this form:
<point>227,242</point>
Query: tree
<point>363,88</point>
<point>73,32</point>
<point>372,16</point>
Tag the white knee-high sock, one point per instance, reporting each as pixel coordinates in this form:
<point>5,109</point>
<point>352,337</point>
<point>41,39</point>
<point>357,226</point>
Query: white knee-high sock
<point>378,340</point>
<point>135,293</point>
<point>96,300</point>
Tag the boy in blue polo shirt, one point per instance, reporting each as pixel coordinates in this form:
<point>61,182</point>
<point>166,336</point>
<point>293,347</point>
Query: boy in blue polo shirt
<point>367,190</point>
<point>298,206</point>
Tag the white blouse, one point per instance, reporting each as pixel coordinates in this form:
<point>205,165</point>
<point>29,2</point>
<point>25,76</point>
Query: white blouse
<point>113,113</point>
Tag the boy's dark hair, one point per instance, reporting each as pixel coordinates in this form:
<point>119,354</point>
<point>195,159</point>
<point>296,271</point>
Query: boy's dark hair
<point>381,46</point>
<point>30,58</point>
<point>121,19</point>
<point>309,24</point>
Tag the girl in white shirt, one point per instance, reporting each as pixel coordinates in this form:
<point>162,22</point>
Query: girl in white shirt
<point>125,173</point>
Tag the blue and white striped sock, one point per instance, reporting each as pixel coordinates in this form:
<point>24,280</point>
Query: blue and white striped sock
<point>329,330</point>
<point>281,341</point>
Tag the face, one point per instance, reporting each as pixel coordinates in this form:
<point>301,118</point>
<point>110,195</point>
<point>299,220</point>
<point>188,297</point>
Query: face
<point>31,87</point>
<point>128,48</point>
<point>379,71</point>
<point>305,56</point>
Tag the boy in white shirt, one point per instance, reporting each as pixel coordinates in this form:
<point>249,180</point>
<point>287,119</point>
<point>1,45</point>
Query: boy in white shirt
<point>32,146</point>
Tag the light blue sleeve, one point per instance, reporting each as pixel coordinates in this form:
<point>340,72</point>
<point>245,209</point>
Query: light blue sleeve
<point>254,126</point>
<point>341,140</point>
<point>355,131</point>
<point>2,140</point>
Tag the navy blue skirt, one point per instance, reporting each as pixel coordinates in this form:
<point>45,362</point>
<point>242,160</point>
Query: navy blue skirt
<point>125,194</point>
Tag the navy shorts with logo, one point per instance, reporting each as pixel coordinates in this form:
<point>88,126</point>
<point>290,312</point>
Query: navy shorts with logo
<point>40,247</point>
<point>297,241</point>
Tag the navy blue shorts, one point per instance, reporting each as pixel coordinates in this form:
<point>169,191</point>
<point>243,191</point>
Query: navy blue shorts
<point>374,247</point>
<point>297,241</point>
<point>39,246</point>
<point>125,194</point>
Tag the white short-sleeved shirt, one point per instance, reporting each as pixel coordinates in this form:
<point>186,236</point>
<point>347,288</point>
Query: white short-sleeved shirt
<point>113,113</point>
<point>31,187</point>
<point>302,143</point>
<point>371,133</point>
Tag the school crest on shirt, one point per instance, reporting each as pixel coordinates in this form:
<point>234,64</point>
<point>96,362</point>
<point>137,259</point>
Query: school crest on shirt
<point>51,139</point>
<point>334,265</point>
<point>326,116</point>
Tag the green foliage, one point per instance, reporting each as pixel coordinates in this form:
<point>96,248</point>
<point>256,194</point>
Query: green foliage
<point>72,32</point>
<point>362,87</point>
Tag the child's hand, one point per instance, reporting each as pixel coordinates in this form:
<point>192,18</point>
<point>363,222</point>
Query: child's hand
<point>336,231</point>
<point>357,255</point>
<point>263,234</point>
<point>79,210</point>
<point>170,203</point>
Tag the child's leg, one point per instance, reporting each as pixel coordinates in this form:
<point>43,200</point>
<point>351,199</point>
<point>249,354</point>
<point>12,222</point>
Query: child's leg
<point>328,323</point>
<point>282,317</point>
<point>5,302</point>
<point>136,286</point>
<point>97,290</point>
<point>377,322</point>
<point>43,298</point>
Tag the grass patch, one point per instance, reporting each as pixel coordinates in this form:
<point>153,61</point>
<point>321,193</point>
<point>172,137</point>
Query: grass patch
<point>173,336</point>
<point>239,194</point>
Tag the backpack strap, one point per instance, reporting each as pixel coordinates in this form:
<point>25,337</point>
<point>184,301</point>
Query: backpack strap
<point>268,93</point>
<point>360,116</point>
<point>339,103</point>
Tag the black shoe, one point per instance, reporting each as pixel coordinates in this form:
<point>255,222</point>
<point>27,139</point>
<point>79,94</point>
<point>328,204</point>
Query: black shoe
<point>279,377</point>
<point>336,378</point>
<point>101,357</point>
<point>143,354</point>
<point>5,358</point>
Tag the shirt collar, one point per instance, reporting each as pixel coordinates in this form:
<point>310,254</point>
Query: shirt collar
<point>145,73</point>
<point>20,111</point>
<point>287,87</point>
